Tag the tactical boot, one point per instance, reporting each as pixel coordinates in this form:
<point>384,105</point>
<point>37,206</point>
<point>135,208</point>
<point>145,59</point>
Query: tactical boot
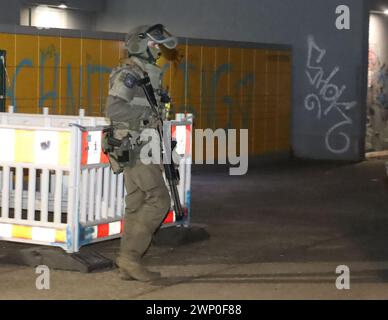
<point>130,270</point>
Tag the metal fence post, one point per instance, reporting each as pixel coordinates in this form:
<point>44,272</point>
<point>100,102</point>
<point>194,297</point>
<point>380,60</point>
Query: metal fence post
<point>74,181</point>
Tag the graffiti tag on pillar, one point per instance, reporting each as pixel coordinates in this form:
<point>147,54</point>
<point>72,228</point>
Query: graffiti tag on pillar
<point>326,97</point>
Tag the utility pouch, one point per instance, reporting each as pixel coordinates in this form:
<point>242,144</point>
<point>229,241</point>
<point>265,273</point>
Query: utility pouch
<point>119,151</point>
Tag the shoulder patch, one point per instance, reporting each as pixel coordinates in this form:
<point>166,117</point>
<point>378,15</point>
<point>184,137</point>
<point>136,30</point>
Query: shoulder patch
<point>130,80</point>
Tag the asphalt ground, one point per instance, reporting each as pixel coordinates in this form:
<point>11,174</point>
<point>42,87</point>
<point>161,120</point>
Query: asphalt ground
<point>279,232</point>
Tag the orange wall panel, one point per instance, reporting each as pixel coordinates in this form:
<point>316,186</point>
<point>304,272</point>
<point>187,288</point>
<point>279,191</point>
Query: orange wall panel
<point>49,73</point>
<point>70,75</point>
<point>224,87</point>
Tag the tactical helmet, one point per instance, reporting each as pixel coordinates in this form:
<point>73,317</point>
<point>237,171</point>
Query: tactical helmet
<point>136,41</point>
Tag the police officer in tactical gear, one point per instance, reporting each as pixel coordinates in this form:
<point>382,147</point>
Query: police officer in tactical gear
<point>148,199</point>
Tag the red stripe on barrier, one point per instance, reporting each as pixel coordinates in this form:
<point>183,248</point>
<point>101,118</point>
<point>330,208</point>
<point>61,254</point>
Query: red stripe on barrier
<point>103,230</point>
<point>104,157</point>
<point>188,140</point>
<point>170,218</point>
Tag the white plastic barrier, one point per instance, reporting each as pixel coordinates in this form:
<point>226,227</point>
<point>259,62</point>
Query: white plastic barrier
<point>56,184</point>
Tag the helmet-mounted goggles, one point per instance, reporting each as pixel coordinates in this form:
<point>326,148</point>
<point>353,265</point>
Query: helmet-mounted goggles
<point>160,35</point>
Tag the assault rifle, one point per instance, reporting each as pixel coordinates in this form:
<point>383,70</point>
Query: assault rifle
<point>172,174</point>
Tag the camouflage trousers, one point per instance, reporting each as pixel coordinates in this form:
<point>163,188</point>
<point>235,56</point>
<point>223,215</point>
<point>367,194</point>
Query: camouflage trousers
<point>147,203</point>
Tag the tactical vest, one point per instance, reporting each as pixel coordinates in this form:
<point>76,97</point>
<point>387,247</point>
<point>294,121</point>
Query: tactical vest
<point>133,67</point>
<point>129,99</point>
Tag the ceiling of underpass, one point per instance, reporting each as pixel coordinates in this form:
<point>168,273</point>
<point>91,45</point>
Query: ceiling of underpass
<point>87,5</point>
<point>79,14</point>
<point>100,5</point>
<point>378,5</point>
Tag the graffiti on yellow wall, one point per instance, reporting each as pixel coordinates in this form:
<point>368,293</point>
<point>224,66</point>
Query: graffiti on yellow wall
<point>223,87</point>
<point>235,88</point>
<point>63,74</point>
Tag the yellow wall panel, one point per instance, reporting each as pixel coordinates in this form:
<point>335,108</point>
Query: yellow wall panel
<point>222,107</point>
<point>194,80</point>
<point>110,55</point>
<point>49,84</point>
<point>271,103</point>
<point>248,60</point>
<point>224,87</point>
<point>58,72</point>
<point>177,84</point>
<point>236,86</point>
<point>272,84</point>
<point>122,51</point>
<point>8,43</point>
<point>261,83</point>
<point>70,75</point>
<point>261,61</point>
<point>27,59</point>
<point>259,137</point>
<point>207,86</point>
<point>91,60</point>
<point>164,64</point>
<point>272,61</point>
<point>284,62</point>
<point>284,84</point>
<point>284,129</point>
<point>27,49</point>
<point>91,51</point>
<point>284,106</point>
